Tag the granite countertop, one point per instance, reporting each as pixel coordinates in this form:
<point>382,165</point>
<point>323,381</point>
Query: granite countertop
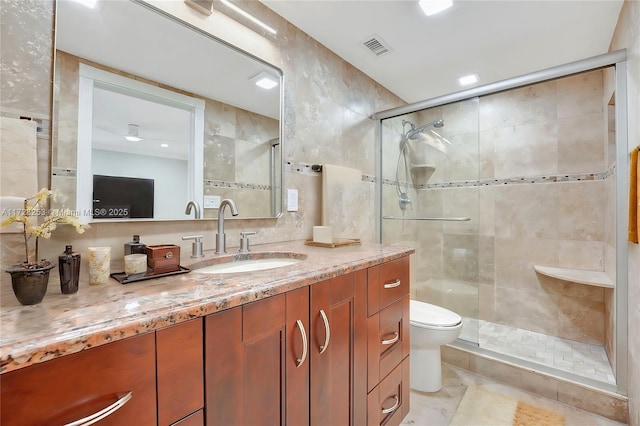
<point>64,324</point>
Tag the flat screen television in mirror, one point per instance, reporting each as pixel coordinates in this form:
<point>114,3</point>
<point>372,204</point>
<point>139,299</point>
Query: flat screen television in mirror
<point>122,197</point>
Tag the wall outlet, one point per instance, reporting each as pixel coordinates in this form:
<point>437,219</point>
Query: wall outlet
<point>211,201</point>
<point>292,200</point>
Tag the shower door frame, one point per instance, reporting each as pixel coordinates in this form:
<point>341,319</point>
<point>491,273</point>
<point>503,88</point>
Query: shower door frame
<point>618,60</point>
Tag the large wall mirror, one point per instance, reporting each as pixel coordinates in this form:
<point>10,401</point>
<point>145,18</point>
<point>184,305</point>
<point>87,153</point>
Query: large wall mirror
<point>150,113</point>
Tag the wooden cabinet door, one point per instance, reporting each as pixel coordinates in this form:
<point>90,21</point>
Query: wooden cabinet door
<point>72,387</point>
<point>297,359</point>
<point>180,371</point>
<point>244,364</point>
<point>332,350</point>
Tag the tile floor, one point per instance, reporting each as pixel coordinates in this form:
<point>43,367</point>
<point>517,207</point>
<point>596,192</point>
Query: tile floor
<point>567,355</point>
<point>437,409</point>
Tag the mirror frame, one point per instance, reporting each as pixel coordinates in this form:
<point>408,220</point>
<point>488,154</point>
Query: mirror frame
<point>90,78</point>
<point>196,180</point>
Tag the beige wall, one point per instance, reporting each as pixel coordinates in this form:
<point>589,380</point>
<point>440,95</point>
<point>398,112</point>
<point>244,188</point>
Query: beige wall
<point>326,107</point>
<point>627,35</point>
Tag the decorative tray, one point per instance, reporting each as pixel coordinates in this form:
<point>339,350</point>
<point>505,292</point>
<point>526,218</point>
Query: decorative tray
<point>337,242</point>
<point>121,277</point>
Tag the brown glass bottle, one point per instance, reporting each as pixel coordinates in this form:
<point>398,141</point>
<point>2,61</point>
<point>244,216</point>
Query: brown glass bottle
<point>69,268</point>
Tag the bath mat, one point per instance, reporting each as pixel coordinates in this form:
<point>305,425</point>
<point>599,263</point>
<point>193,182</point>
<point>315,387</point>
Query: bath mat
<point>480,407</point>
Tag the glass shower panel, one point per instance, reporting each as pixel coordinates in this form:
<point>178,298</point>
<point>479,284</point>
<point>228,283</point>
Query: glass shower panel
<point>431,202</point>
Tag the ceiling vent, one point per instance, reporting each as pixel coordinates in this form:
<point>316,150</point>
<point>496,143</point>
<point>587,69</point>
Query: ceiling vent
<point>376,45</point>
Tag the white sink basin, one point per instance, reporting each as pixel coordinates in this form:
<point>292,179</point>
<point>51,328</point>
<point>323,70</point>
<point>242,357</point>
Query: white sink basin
<point>249,265</point>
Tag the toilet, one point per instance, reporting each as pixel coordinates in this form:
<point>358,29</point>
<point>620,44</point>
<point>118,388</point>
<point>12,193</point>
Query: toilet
<point>431,327</point>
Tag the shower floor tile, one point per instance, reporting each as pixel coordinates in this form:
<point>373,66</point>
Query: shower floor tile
<point>583,359</point>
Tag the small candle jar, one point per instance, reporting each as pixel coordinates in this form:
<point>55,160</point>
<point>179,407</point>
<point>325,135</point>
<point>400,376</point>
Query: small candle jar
<point>135,265</point>
<point>99,265</point>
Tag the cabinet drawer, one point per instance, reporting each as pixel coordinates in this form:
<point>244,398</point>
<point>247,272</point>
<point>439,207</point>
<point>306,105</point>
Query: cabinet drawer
<point>388,403</point>
<point>387,283</point>
<point>388,342</point>
<point>75,386</point>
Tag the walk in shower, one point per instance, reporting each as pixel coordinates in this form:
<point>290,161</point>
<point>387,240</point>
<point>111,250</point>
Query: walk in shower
<point>513,196</point>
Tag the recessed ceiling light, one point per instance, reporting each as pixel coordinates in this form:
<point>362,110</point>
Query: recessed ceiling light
<point>265,80</point>
<point>431,7</point>
<point>89,3</point>
<point>468,79</point>
<point>164,145</point>
<point>132,134</point>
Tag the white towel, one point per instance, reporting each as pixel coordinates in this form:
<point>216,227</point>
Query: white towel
<point>19,158</point>
<point>340,187</point>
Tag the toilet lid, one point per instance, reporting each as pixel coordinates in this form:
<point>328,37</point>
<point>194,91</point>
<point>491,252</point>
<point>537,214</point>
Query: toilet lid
<point>422,313</point>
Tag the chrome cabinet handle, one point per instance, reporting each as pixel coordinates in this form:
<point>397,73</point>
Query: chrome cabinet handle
<point>391,341</point>
<point>327,336</point>
<point>304,343</point>
<point>392,409</point>
<point>394,284</point>
<point>105,412</point>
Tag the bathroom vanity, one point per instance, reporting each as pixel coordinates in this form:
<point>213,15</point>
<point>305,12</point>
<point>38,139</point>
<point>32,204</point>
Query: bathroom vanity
<point>323,341</point>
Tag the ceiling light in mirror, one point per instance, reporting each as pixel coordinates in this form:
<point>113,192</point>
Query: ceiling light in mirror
<point>431,7</point>
<point>265,80</point>
<point>468,79</point>
<point>132,136</point>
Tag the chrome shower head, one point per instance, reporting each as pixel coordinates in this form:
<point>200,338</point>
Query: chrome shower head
<point>413,132</point>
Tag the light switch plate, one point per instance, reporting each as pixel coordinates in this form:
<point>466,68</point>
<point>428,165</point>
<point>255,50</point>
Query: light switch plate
<point>211,201</point>
<point>292,200</point>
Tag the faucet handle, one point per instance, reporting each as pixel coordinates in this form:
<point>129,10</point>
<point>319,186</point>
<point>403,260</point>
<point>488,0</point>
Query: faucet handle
<point>244,241</point>
<point>196,246</point>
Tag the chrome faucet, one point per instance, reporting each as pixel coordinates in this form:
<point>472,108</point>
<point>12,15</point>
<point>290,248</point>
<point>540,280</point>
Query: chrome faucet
<point>196,207</point>
<point>221,239</point>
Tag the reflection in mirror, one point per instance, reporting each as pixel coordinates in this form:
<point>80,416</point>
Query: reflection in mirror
<point>141,144</point>
<point>168,108</point>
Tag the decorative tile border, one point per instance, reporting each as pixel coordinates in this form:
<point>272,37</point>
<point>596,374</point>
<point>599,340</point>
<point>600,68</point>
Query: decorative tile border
<point>578,177</point>
<point>305,169</point>
<point>234,185</point>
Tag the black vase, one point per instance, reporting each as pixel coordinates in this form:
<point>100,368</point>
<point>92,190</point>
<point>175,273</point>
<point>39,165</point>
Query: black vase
<point>69,268</point>
<point>29,284</point>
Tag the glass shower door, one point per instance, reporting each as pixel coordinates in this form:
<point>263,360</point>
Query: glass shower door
<point>431,201</point>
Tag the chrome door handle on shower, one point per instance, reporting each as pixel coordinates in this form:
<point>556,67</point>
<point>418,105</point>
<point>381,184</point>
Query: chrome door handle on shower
<point>327,336</point>
<point>303,333</point>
